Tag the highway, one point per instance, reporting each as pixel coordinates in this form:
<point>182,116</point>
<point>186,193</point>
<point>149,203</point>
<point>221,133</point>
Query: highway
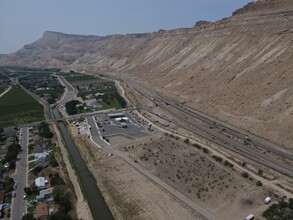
<point>201,124</point>
<point>18,206</point>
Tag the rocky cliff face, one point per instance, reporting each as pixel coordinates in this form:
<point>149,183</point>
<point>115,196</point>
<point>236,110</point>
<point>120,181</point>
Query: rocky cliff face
<point>261,5</point>
<point>238,69</point>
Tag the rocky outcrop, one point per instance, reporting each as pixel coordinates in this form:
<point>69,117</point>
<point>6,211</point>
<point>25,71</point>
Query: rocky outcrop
<point>260,5</point>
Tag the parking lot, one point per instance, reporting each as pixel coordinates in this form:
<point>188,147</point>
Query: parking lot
<point>119,127</point>
<point>81,126</point>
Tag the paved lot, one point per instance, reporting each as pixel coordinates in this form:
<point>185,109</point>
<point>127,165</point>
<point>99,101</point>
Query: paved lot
<point>105,130</point>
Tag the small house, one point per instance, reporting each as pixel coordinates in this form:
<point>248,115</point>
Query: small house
<point>42,211</point>
<point>41,162</point>
<point>40,182</point>
<point>44,194</point>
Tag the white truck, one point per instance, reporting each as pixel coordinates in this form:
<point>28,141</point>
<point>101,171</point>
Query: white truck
<point>249,217</point>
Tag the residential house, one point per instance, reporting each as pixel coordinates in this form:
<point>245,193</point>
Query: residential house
<point>40,182</point>
<point>41,155</point>
<point>42,211</point>
<point>10,132</point>
<point>39,142</point>
<point>44,194</point>
<point>10,140</point>
<point>35,130</point>
<point>41,162</point>
<point>39,148</point>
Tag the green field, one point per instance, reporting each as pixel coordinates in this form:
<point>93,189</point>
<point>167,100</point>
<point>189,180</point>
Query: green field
<point>17,107</point>
<point>2,89</point>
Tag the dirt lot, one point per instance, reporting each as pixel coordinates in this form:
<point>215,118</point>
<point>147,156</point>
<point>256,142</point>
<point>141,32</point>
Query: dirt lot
<point>212,184</point>
<point>129,194</point>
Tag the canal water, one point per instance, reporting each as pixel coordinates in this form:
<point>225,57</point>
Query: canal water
<point>97,204</point>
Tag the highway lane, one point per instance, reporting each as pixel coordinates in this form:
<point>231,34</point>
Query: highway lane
<point>232,145</point>
<point>18,206</point>
<point>202,128</point>
<point>245,136</point>
<point>230,129</point>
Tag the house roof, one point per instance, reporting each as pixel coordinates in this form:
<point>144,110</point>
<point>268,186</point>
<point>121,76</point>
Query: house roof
<point>40,155</point>
<point>40,182</point>
<point>42,210</point>
<point>41,162</point>
<point>39,149</point>
<point>9,132</point>
<point>45,192</point>
<point>10,139</point>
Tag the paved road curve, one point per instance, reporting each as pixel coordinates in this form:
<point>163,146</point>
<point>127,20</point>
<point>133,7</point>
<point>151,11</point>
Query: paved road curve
<point>20,177</point>
<point>95,199</point>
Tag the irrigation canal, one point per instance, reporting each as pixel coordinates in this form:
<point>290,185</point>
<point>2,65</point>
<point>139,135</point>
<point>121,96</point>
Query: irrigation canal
<point>97,204</point>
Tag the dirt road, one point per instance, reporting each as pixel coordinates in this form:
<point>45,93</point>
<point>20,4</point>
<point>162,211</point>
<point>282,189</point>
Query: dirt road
<point>82,208</point>
<point>7,90</point>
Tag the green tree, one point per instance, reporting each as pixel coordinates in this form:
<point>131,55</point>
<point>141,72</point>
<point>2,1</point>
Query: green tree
<point>245,174</point>
<point>28,217</point>
<point>259,183</point>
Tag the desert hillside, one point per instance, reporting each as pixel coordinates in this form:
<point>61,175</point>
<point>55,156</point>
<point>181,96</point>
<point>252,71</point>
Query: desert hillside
<point>238,69</point>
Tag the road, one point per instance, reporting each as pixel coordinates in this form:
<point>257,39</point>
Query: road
<point>201,124</point>
<point>7,90</point>
<point>95,133</point>
<point>98,206</point>
<point>69,91</point>
<point>48,110</point>
<point>18,206</point>
<point>95,138</point>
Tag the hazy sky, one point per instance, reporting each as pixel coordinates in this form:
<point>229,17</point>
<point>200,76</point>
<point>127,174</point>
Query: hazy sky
<point>24,21</point>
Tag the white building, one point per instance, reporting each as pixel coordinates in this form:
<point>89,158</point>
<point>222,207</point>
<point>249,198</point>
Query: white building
<point>40,182</point>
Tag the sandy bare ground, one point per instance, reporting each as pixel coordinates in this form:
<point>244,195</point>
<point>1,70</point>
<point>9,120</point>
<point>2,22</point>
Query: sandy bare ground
<point>199,177</point>
<point>82,208</point>
<point>128,193</point>
<point>7,90</point>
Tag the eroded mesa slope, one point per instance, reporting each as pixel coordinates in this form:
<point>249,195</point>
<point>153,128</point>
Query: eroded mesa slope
<point>238,69</point>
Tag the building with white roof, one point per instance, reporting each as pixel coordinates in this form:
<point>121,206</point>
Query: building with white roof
<point>40,182</point>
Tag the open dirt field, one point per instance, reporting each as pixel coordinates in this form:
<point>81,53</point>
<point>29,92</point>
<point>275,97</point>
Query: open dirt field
<point>129,194</point>
<point>214,185</point>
